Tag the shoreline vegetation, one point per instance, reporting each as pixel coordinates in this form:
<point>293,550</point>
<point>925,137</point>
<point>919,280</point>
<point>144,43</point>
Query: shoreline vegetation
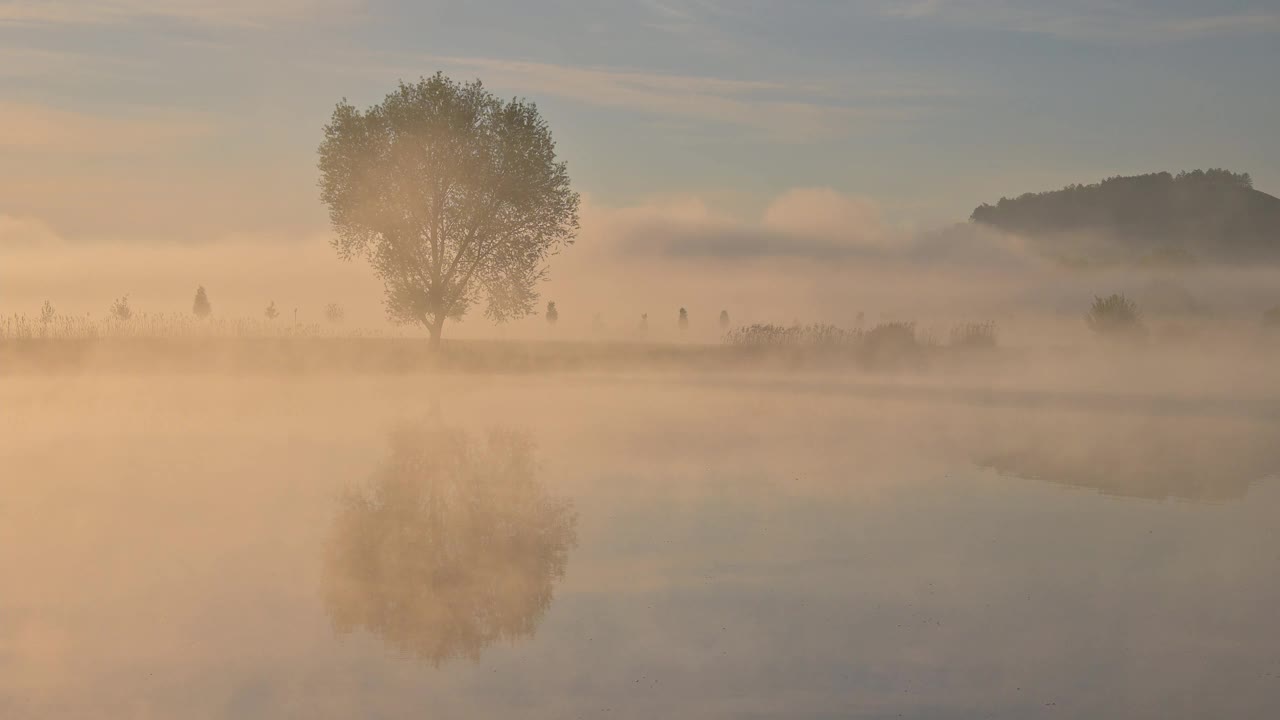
<point>890,348</point>
<point>125,341</point>
<point>301,354</point>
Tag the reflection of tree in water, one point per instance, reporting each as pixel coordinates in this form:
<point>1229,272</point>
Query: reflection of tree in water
<point>452,545</point>
<point>1156,458</point>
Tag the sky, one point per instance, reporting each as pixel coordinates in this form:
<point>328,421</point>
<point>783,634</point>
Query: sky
<point>185,123</point>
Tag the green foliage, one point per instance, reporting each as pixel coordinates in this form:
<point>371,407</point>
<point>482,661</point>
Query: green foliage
<point>453,195</point>
<point>1115,316</point>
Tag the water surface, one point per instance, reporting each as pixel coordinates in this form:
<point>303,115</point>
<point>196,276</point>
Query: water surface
<point>213,547</point>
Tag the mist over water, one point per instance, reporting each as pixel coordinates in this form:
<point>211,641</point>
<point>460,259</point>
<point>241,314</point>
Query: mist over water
<point>653,544</point>
<point>850,472</point>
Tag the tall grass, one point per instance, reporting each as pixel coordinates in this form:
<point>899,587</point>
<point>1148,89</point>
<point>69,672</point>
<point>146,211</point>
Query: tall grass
<point>888,345</point>
<point>801,336</point>
<point>53,326</point>
<point>974,336</point>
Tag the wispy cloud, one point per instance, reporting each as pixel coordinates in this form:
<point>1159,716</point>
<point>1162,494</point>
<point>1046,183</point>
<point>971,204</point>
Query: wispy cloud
<point>31,62</point>
<point>764,106</point>
<point>1096,20</point>
<point>217,12</point>
<point>766,109</point>
<point>35,128</point>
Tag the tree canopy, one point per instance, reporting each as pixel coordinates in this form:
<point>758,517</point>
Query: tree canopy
<point>1209,214</point>
<point>453,195</point>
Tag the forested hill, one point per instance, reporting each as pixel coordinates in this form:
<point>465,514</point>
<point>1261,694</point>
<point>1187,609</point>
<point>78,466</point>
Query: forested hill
<point>1203,214</point>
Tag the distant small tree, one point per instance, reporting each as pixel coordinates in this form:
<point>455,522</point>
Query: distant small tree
<point>271,312</point>
<point>724,319</point>
<point>200,307</point>
<point>553,315</point>
<point>684,319</point>
<point>1115,316</point>
<point>334,313</point>
<point>120,309</point>
<point>47,313</point>
<point>644,323</point>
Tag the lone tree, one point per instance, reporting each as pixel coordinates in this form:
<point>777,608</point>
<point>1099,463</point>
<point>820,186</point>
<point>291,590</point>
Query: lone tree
<point>724,319</point>
<point>552,314</point>
<point>271,312</point>
<point>200,307</point>
<point>453,196</point>
<point>684,319</point>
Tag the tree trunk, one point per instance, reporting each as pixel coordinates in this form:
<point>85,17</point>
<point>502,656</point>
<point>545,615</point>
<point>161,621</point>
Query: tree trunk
<point>434,327</point>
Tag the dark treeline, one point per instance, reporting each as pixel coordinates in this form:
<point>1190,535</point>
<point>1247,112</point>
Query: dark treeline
<point>1203,214</point>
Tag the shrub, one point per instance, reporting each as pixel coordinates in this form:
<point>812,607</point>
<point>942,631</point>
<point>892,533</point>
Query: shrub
<point>1115,316</point>
<point>890,343</point>
<point>271,312</point>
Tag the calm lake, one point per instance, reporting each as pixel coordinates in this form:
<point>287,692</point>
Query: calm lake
<point>634,547</point>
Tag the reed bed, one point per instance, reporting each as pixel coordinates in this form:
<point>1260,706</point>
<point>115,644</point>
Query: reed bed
<point>162,326</point>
